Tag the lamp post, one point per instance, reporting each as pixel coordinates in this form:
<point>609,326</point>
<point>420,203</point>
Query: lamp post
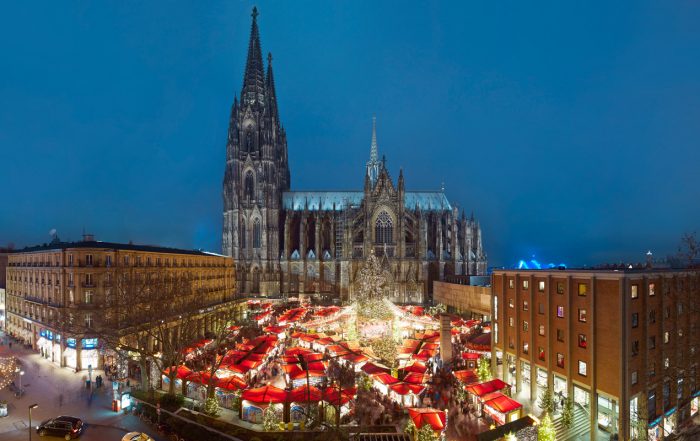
<point>33,406</point>
<point>20,372</point>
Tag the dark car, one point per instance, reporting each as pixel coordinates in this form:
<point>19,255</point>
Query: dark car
<point>65,426</point>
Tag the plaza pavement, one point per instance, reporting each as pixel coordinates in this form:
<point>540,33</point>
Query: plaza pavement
<point>44,383</point>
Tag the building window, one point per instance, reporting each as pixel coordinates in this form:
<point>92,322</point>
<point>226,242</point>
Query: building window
<point>582,315</point>
<point>511,283</point>
<point>667,312</point>
<point>541,286</point>
<point>540,307</point>
<point>495,332</point>
<point>108,260</point>
<point>126,260</point>
<point>510,321</point>
<point>667,363</point>
<point>667,337</point>
<point>526,347</point>
<point>635,319</point>
<point>652,316</point>
<point>582,289</point>
<point>635,291</point>
<point>88,259</point>
<point>635,347</point>
<point>88,296</point>
<point>526,284</point>
<point>560,359</point>
<point>680,332</point>
<point>582,368</point>
<point>540,353</point>
<point>249,185</point>
<point>243,236</point>
<point>652,369</point>
<point>560,335</point>
<point>88,280</point>
<point>510,303</point>
<point>526,326</point>
<point>652,342</point>
<point>541,329</point>
<point>70,260</point>
<point>88,320</point>
<point>495,306</point>
<point>510,343</point>
<point>634,377</point>
<point>560,287</point>
<point>652,290</point>
<point>384,229</point>
<point>560,311</point>
<point>582,341</point>
<point>680,308</point>
<point>651,404</point>
<point>257,234</point>
<point>525,305</point>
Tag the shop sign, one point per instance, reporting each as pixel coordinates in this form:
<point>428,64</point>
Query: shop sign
<point>70,342</point>
<point>89,343</point>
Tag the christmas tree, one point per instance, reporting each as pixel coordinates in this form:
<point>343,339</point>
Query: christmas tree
<point>483,370</point>
<point>567,417</point>
<point>369,296</point>
<point>211,407</point>
<point>547,401</point>
<point>546,430</point>
<point>271,419</point>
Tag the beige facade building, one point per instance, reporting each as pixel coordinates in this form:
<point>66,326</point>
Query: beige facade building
<point>622,344</point>
<point>474,301</point>
<point>78,279</point>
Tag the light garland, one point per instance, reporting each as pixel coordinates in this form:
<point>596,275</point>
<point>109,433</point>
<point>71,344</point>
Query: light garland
<point>8,369</point>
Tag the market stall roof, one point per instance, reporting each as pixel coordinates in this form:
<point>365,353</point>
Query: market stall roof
<point>331,395</point>
<point>415,378</point>
<point>310,373</point>
<point>470,355</point>
<point>372,368</point>
<point>354,358</point>
<point>275,329</point>
<point>426,415</point>
<point>503,403</point>
<point>233,382</point>
<point>182,371</point>
<point>484,388</point>
<point>403,388</point>
<point>304,393</point>
<point>385,378</point>
<point>467,376</point>
<point>265,395</point>
<point>481,342</point>
<point>416,366</point>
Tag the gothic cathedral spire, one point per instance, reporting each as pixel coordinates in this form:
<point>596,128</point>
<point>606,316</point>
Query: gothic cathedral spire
<point>254,77</point>
<point>373,163</point>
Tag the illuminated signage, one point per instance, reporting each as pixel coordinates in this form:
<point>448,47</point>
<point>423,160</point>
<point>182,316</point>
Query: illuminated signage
<point>89,343</point>
<point>70,342</point>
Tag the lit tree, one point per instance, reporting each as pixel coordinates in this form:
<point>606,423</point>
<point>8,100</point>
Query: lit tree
<point>547,401</point>
<point>567,417</point>
<point>369,296</point>
<point>211,407</point>
<point>545,431</point>
<point>271,419</point>
<point>483,370</point>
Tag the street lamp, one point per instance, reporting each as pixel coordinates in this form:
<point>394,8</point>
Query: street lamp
<point>33,406</point>
<point>20,372</point>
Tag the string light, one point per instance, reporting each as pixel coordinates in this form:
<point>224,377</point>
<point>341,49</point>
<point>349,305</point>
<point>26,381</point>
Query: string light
<point>8,368</point>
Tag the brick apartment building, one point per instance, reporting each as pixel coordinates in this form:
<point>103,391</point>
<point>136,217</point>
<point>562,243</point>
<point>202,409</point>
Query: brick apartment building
<point>623,344</point>
<point>79,278</point>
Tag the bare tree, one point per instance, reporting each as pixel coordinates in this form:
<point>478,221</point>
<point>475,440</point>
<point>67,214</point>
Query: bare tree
<point>150,313</point>
<point>689,249</point>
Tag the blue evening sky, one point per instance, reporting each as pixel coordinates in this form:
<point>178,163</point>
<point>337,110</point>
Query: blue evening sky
<point>571,129</point>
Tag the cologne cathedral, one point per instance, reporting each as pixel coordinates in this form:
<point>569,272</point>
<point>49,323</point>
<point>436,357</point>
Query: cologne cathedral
<point>288,242</point>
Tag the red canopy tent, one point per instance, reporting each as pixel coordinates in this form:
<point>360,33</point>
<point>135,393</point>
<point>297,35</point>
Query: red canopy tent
<point>231,383</point>
<point>183,372</point>
<point>303,394</point>
<point>416,366</point>
<point>265,395</point>
<point>487,387</point>
<point>467,376</point>
<point>415,378</point>
<point>470,355</point>
<point>503,403</point>
<point>385,378</point>
<point>372,369</point>
<point>425,415</point>
<point>403,388</point>
<point>331,395</point>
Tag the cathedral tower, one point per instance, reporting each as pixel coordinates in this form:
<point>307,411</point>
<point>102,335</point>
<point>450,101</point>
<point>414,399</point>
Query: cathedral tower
<point>256,174</point>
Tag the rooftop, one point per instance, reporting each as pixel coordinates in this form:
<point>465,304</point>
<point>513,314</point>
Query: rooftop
<point>339,200</point>
<point>96,244</point>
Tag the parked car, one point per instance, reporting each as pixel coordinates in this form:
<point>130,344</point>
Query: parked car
<point>137,436</point>
<point>66,426</point>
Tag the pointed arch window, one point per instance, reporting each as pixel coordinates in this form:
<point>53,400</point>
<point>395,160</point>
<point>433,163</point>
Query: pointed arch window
<point>248,185</point>
<point>384,229</point>
<point>243,241</point>
<point>257,234</point>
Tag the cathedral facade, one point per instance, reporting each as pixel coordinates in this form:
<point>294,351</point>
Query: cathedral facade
<point>293,242</point>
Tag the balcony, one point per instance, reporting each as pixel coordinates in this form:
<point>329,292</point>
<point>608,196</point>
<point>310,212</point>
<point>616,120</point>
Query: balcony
<point>37,300</point>
<point>88,284</point>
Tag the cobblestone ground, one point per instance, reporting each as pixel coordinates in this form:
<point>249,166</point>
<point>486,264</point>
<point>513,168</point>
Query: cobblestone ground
<point>44,384</point>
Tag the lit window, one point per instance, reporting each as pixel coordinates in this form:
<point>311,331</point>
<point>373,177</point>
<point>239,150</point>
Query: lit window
<point>541,286</point>
<point>88,297</point>
<point>680,332</point>
<point>560,360</point>
<point>525,305</point>
<point>582,315</point>
<point>540,353</point>
<point>560,287</point>
<point>635,291</point>
<point>526,326</point>
<point>652,289</point>
<point>526,284</point>
<point>495,332</point>
<point>511,283</point>
<point>667,337</point>
<point>510,321</point>
<point>526,348</point>
<point>88,320</point>
<point>634,377</point>
<point>667,363</point>
<point>582,289</point>
<point>582,368</point>
<point>541,329</point>
<point>582,341</point>
<point>560,311</point>
<point>495,306</point>
<point>510,303</point>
